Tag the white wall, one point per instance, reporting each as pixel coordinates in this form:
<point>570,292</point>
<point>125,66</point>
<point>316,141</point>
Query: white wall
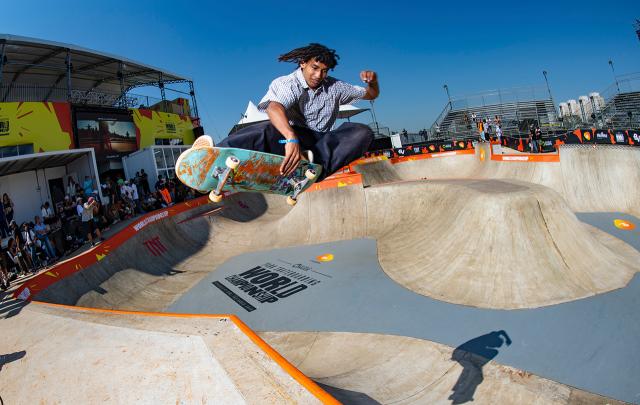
<point>23,190</point>
<point>29,190</point>
<point>139,160</point>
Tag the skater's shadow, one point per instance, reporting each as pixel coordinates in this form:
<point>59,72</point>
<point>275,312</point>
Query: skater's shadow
<point>8,358</point>
<point>472,356</point>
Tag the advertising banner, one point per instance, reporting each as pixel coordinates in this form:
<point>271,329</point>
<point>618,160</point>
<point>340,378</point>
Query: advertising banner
<point>603,136</point>
<point>46,126</point>
<point>159,128</point>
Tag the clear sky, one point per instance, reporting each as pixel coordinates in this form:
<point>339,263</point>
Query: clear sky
<point>230,49</point>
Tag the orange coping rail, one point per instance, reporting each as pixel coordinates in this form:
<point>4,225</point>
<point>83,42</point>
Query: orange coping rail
<point>289,368</point>
<point>402,159</point>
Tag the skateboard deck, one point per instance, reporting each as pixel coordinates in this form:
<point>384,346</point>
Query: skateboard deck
<point>206,168</point>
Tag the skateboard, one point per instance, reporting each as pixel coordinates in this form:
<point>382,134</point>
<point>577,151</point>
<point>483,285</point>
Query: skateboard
<point>207,168</point>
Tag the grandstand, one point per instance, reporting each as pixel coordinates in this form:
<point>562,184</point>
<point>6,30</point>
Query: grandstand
<point>68,113</point>
<point>517,108</point>
<point>622,103</point>
<point>39,70</point>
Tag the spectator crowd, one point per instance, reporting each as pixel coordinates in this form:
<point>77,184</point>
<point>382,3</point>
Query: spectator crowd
<point>80,219</point>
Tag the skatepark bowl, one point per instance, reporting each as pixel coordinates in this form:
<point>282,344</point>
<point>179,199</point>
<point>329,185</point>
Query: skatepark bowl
<point>439,280</point>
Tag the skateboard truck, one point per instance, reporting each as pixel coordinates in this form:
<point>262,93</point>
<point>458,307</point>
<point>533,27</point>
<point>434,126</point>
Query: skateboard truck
<point>298,186</point>
<point>223,175</point>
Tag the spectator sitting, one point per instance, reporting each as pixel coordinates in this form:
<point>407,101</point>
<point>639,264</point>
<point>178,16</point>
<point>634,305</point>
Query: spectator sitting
<point>114,213</point>
<point>15,255</point>
<point>48,216</point>
<point>17,235</point>
<point>4,274</point>
<point>29,238</point>
<point>40,230</point>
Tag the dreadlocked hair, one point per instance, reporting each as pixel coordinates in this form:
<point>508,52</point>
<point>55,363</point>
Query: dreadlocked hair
<point>312,51</point>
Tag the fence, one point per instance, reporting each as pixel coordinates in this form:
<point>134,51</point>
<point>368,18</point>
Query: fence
<point>26,92</point>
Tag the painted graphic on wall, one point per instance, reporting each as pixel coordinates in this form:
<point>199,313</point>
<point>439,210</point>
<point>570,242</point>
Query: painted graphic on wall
<point>154,126</point>
<point>46,126</point>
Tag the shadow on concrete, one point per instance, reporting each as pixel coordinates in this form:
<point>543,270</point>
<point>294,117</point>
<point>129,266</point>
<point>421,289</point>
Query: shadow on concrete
<point>348,397</point>
<point>244,207</point>
<point>8,358</point>
<point>156,249</point>
<point>472,356</point>
<point>10,306</point>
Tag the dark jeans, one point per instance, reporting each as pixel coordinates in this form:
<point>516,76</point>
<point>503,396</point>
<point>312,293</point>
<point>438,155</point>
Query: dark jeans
<point>332,150</point>
<point>4,227</point>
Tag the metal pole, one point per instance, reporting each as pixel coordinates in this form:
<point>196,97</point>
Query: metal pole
<point>446,88</point>
<point>593,108</point>
<point>122,89</point>
<point>544,73</point>
<point>375,120</point>
<point>192,92</point>
<point>68,60</point>
<point>2,62</point>
<point>584,117</point>
<point>614,76</point>
<point>161,85</point>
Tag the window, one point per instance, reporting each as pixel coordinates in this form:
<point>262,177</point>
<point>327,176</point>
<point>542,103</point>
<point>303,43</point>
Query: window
<point>172,141</point>
<point>16,150</point>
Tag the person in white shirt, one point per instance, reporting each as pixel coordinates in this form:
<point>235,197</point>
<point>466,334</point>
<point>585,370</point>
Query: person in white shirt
<point>48,217</point>
<point>87,221</point>
<point>135,196</point>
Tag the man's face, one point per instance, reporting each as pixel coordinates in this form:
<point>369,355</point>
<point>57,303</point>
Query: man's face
<point>314,72</point>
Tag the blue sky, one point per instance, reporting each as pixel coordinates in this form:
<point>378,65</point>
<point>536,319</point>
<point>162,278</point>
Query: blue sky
<point>230,49</point>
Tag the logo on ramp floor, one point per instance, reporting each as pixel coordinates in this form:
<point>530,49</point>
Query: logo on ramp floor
<point>624,225</point>
<point>327,257</point>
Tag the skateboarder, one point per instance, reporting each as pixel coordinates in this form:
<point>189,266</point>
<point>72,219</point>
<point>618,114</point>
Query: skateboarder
<point>302,108</point>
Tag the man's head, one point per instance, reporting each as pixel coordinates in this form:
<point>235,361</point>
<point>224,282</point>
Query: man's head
<point>315,60</point>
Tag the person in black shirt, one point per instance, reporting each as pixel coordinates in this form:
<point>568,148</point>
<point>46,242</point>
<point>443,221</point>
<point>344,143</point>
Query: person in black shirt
<point>538,139</point>
<point>532,139</point>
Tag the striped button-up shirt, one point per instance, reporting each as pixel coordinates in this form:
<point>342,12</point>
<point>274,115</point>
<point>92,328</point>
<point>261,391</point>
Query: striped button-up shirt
<point>315,109</point>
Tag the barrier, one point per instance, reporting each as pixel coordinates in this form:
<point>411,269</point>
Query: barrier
<point>72,265</point>
<point>588,136</point>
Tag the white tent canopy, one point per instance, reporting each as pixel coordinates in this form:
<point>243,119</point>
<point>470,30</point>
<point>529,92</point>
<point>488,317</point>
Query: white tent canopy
<point>253,115</point>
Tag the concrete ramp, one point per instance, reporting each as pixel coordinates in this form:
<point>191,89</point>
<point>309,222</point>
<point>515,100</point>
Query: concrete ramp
<point>601,178</point>
<point>477,233</point>
<point>402,370</point>
<point>67,356</point>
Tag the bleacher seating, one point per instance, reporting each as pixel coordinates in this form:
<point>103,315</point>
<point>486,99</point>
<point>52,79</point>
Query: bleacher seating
<point>616,111</point>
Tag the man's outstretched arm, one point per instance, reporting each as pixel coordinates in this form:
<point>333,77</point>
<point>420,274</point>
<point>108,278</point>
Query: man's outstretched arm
<point>373,89</point>
<point>278,118</point>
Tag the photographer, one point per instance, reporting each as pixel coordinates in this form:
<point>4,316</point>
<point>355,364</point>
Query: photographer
<point>88,210</point>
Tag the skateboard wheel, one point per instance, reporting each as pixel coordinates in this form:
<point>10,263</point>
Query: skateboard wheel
<point>232,162</point>
<point>310,174</point>
<point>216,198</point>
<point>291,201</point>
